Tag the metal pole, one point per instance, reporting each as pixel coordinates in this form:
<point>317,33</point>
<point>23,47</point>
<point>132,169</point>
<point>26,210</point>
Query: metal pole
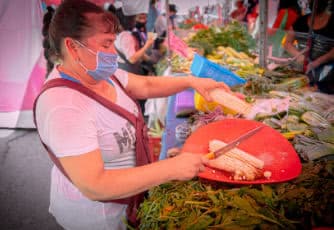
<point>263,32</point>
<point>169,57</point>
<point>310,39</point>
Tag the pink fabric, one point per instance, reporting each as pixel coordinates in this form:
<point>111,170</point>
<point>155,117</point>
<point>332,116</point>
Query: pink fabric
<point>15,96</point>
<point>57,2</point>
<point>22,69</point>
<point>178,45</point>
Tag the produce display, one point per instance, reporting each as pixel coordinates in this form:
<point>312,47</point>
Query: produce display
<point>279,98</point>
<point>299,204</point>
<point>233,35</point>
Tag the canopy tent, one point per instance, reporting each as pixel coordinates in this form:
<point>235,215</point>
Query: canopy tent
<point>22,66</point>
<point>22,69</point>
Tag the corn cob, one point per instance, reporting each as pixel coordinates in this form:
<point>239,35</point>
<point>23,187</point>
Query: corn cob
<point>244,56</point>
<point>240,164</point>
<point>237,153</point>
<point>233,52</point>
<point>314,119</point>
<point>238,169</point>
<point>230,101</point>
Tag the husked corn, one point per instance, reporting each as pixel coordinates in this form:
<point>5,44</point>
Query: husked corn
<point>240,164</point>
<point>237,153</point>
<point>230,101</point>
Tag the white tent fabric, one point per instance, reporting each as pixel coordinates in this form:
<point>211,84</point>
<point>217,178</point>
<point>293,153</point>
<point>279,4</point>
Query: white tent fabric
<point>133,7</point>
<point>21,67</point>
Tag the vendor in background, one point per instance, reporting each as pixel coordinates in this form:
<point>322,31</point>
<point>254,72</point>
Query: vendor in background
<point>152,16</point>
<point>250,8</point>
<point>253,22</point>
<point>101,154</point>
<point>240,12</point>
<point>160,25</point>
<point>133,45</point>
<point>320,58</point>
<point>288,12</point>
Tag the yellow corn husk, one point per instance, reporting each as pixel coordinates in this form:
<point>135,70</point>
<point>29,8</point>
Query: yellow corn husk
<point>231,102</point>
<point>229,52</point>
<point>244,56</point>
<point>291,135</point>
<point>228,102</point>
<point>234,53</point>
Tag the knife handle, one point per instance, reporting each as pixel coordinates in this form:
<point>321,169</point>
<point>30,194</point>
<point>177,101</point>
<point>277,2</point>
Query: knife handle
<point>210,155</point>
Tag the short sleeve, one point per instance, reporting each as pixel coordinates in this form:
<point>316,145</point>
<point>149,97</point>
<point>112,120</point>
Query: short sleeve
<point>122,76</point>
<point>67,128</point>
<point>279,18</point>
<point>126,44</point>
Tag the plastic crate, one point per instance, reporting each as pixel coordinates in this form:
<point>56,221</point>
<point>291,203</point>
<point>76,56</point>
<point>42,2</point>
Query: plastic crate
<point>184,103</point>
<point>202,67</point>
<point>154,147</point>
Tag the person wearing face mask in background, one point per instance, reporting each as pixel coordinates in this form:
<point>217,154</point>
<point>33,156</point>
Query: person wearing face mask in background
<point>152,16</point>
<point>160,25</point>
<point>89,122</point>
<point>133,45</point>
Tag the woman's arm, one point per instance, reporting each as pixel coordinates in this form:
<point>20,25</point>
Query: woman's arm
<point>140,54</point>
<point>329,56</point>
<point>290,48</point>
<point>89,176</point>
<point>151,87</point>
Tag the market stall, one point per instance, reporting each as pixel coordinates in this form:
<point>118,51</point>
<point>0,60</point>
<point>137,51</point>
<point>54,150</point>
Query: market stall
<point>297,194</point>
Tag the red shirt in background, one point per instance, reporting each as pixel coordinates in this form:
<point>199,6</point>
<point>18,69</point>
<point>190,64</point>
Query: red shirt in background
<point>292,17</point>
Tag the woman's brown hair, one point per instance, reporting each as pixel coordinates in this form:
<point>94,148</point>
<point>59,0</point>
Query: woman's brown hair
<point>70,20</point>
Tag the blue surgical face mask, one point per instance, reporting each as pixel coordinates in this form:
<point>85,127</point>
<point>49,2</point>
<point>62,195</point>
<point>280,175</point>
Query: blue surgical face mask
<point>106,64</point>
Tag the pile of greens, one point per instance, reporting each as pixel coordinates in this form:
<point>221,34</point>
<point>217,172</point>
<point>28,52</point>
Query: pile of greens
<point>233,35</point>
<point>195,204</point>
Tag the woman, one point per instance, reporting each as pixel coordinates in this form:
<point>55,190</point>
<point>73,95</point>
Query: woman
<point>100,151</point>
<point>320,67</point>
<point>253,21</point>
<point>152,16</point>
<point>160,25</point>
<point>132,46</point>
<point>288,12</point>
<point>132,43</point>
<point>240,12</point>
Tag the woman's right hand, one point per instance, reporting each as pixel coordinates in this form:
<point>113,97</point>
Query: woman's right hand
<point>149,42</point>
<point>185,166</point>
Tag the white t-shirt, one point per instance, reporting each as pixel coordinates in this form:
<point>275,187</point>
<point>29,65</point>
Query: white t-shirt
<point>126,44</point>
<point>160,24</point>
<point>71,124</point>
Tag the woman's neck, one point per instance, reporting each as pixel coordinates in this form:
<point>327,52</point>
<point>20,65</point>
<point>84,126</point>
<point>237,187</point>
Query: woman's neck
<point>84,78</point>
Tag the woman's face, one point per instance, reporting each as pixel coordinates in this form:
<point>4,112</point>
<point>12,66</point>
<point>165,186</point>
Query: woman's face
<point>100,39</point>
<point>142,18</point>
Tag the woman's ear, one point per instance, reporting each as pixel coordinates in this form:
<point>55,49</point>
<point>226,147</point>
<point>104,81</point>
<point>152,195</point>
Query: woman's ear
<point>71,47</point>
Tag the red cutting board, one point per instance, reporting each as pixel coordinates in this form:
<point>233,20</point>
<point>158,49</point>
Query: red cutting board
<point>269,145</point>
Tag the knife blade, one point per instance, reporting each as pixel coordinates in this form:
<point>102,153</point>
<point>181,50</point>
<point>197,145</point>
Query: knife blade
<point>233,144</point>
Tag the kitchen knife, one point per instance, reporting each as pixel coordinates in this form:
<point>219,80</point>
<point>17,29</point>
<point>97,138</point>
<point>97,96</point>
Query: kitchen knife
<point>233,144</point>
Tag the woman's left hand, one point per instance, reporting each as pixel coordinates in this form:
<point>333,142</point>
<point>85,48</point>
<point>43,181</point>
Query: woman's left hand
<point>204,85</point>
<point>313,65</point>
